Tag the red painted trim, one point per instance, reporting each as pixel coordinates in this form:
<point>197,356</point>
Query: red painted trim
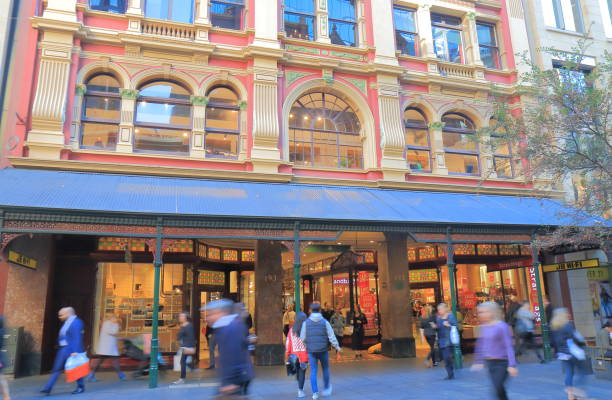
<point>223,38</point>
<point>506,36</point>
<point>103,48</point>
<point>493,77</point>
<point>103,22</point>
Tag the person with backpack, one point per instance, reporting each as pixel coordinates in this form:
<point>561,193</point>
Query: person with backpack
<point>444,324</point>
<point>523,329</point>
<point>295,352</point>
<point>317,333</point>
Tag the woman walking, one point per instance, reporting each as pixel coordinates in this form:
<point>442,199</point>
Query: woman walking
<point>295,346</point>
<point>107,348</point>
<point>337,322</point>
<point>3,382</point>
<point>567,342</point>
<point>187,342</point>
<point>444,323</point>
<point>494,348</point>
<point>428,334</point>
<point>359,323</point>
<point>524,328</point>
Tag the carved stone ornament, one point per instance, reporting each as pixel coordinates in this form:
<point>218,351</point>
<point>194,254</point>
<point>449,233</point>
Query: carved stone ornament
<point>242,104</point>
<point>199,100</point>
<point>436,125</point>
<point>80,89</point>
<point>131,94</point>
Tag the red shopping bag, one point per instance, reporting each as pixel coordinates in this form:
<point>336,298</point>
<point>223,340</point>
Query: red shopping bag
<point>76,367</point>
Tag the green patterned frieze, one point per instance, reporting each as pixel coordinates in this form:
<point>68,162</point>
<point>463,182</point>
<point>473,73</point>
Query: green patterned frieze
<point>359,84</point>
<point>292,76</point>
<point>302,49</point>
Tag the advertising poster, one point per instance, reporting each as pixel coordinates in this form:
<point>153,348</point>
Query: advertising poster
<point>601,298</point>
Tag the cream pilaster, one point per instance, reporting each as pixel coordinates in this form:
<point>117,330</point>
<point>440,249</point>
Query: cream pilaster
<point>471,46</point>
<point>425,34</point>
<point>75,127</point>
<point>361,23</point>
<point>202,20</point>
<point>135,12</point>
<point>266,24</point>
<point>392,140</point>
<point>437,148</point>
<point>61,10</point>
<point>382,22</point>
<point>322,21</point>
<point>126,124</point>
<point>198,135</point>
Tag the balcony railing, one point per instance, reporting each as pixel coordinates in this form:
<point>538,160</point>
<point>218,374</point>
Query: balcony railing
<point>168,29</point>
<point>456,70</point>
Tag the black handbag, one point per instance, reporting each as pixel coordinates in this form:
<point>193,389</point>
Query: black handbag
<point>292,365</point>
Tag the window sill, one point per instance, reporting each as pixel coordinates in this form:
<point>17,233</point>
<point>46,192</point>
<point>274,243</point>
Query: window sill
<point>96,13</point>
<point>567,32</point>
<point>141,154</point>
<point>314,44</point>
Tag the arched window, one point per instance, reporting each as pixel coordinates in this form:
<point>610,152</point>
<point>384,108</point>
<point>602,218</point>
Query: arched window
<point>460,145</point>
<point>222,123</point>
<point>163,118</point>
<point>226,14</point>
<point>418,153</point>
<point>342,22</point>
<point>300,19</point>
<point>101,113</point>
<point>502,150</point>
<point>324,132</point>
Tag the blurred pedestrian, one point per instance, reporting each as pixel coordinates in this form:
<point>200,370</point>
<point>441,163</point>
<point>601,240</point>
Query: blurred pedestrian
<point>295,346</point>
<point>604,339</point>
<point>288,319</point>
<point>524,330</point>
<point>317,334</point>
<point>568,343</point>
<point>428,334</point>
<point>187,343</point>
<point>512,308</point>
<point>337,322</point>
<point>107,348</point>
<point>548,309</point>
<point>4,388</point>
<point>70,343</point>
<point>494,348</point>
<point>444,321</point>
<point>210,339</point>
<point>232,338</point>
<point>359,323</point>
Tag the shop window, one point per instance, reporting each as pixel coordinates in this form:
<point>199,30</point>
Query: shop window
<point>116,6</point>
<point>418,153</point>
<point>222,123</point>
<point>563,14</point>
<point>227,13</point>
<point>163,118</point>
<point>171,10</point>
<point>101,113</point>
<point>487,42</point>
<point>324,132</point>
<point>447,33</point>
<point>300,19</point>
<point>460,145</point>
<point>342,22</point>
<point>406,37</point>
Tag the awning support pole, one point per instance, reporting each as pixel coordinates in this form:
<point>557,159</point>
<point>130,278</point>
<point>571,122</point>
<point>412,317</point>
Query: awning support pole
<point>297,264</point>
<point>543,319</point>
<point>450,262</point>
<point>154,368</point>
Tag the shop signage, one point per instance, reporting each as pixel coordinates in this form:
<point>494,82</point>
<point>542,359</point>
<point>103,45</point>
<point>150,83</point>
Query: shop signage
<point>598,274</point>
<point>341,281</point>
<point>20,259</point>
<point>423,275</point>
<point>533,293</point>
<point>212,278</point>
<point>468,300</point>
<point>566,266</point>
<point>509,265</point>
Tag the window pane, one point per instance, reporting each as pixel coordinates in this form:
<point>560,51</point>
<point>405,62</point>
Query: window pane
<point>166,90</point>
<point>156,9</point>
<point>350,157</point>
<point>300,6</point>
<point>219,145</point>
<point>99,136</point>
<point>102,107</point>
<point>342,9</point>
<point>454,46</point>
<point>457,121</point>
<point>445,19</point>
<point>404,20</point>
<point>163,113</point>
<point>103,83</point>
<point>173,10</point>
<point>299,26</point>
<point>459,141</point>
<point>439,38</point>
<point>462,164</point>
<point>414,118</point>
<point>502,167</point>
<point>489,57</point>
<point>418,160</point>
<point>225,15</point>
<point>342,33</point>
<point>117,6</point>
<point>417,137</point>
<point>407,43</point>
<point>221,118</point>
<point>223,95</point>
<point>486,34</point>
<point>499,147</point>
<point>161,140</point>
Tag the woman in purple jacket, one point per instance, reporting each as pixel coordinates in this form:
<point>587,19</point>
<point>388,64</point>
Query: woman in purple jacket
<point>494,348</point>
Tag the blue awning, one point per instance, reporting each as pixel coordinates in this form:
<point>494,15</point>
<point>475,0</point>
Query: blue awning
<point>96,192</point>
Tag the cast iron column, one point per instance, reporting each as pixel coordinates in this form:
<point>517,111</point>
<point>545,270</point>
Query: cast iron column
<point>542,310</point>
<point>157,262</point>
<point>296,265</point>
<point>450,262</point>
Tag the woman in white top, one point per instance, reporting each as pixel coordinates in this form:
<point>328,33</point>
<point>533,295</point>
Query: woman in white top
<point>107,347</point>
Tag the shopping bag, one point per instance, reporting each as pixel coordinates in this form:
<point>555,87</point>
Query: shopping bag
<point>575,350</point>
<point>454,336</point>
<point>76,367</point>
<point>177,360</point>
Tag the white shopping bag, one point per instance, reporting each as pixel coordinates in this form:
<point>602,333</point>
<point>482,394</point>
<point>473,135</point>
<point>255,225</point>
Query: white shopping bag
<point>177,361</point>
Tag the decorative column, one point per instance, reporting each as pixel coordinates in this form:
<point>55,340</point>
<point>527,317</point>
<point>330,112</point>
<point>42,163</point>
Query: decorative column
<point>361,24</point>
<point>75,127</point>
<point>382,22</point>
<point>392,141</point>
<point>425,34</point>
<point>452,270</point>
<point>322,22</point>
<point>202,20</point>
<point>268,303</point>
<point>198,138</point>
<point>135,12</point>
<point>396,315</point>
<point>46,139</point>
<point>265,154</point>
<point>266,24</point>
<point>471,46</point>
<point>437,148</point>
<point>486,159</point>
<point>126,125</point>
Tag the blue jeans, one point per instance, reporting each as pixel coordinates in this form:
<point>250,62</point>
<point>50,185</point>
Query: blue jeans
<point>573,368</point>
<point>313,360</point>
<point>58,366</point>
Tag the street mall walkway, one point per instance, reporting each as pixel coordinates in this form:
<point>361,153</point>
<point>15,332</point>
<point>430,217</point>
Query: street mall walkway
<point>378,379</point>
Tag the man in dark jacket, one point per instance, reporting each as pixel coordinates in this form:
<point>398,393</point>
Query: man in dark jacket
<point>232,339</point>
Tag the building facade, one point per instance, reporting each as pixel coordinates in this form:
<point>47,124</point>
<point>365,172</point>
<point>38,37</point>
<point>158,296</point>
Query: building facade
<point>275,152</point>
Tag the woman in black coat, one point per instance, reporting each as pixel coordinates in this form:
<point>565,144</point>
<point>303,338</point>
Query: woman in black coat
<point>359,323</point>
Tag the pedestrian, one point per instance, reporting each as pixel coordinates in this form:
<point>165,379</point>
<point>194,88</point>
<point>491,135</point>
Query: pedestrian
<point>295,346</point>
<point>327,311</point>
<point>494,348</point>
<point>359,323</point>
<point>337,322</point>
<point>187,343</point>
<point>604,340</point>
<point>288,319</point>
<point>70,342</point>
<point>232,338</point>
<point>107,348</point>
<point>210,339</point>
<point>428,334</point>
<point>548,309</point>
<point>444,321</point>
<point>4,388</point>
<point>317,334</point>
<point>524,329</point>
<point>511,310</point>
<point>567,343</point>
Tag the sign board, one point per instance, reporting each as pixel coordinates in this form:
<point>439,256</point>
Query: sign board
<point>24,261</point>
<point>570,265</point>
<point>509,265</point>
<point>423,275</point>
<point>533,293</point>
<point>598,274</point>
<point>212,278</point>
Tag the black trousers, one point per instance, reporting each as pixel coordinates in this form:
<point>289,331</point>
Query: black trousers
<point>447,356</point>
<point>358,339</point>
<point>431,341</point>
<point>498,372</point>
<point>184,365</point>
<point>301,377</point>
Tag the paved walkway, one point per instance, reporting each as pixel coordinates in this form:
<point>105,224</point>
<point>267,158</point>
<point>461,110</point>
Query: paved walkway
<point>371,380</point>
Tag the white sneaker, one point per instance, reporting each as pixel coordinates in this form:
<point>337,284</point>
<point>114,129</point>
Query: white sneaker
<point>301,394</point>
<point>179,382</point>
<point>328,391</point>
<point>315,396</point>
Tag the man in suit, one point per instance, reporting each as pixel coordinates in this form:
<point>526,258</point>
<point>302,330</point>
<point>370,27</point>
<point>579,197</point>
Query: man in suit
<point>70,342</point>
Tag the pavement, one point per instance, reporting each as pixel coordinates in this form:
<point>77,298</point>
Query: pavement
<point>371,379</point>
